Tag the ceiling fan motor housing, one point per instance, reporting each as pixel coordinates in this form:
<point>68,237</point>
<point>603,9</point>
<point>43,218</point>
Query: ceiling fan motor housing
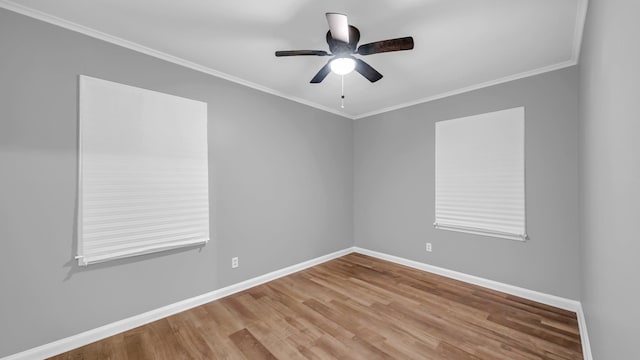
<point>338,47</point>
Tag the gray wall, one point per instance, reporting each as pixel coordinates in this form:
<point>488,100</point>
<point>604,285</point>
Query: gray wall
<point>394,186</point>
<point>610,174</point>
<point>281,181</point>
<point>283,177</point>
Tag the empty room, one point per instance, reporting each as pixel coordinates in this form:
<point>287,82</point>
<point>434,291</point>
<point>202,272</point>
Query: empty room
<point>441,179</point>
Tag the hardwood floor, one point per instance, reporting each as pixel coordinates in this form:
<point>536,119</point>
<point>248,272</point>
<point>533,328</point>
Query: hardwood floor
<point>354,307</point>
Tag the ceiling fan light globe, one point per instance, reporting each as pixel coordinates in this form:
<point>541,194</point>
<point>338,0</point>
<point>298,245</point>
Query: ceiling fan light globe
<point>342,66</point>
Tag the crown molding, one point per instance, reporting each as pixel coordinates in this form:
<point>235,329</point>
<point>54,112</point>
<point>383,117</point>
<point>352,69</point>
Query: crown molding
<point>483,85</point>
<point>581,13</point>
<point>578,31</point>
<point>69,25</point>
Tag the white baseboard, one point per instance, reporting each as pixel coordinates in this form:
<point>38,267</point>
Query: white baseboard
<point>87,337</point>
<point>552,300</point>
<point>559,302</point>
<point>584,335</point>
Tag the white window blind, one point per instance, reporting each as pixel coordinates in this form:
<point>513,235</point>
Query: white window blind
<point>480,176</point>
<point>143,172</point>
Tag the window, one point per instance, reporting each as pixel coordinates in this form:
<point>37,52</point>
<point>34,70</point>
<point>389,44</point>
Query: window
<point>143,173</point>
<point>480,182</point>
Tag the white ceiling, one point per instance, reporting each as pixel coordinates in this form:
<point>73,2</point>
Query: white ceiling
<point>460,45</point>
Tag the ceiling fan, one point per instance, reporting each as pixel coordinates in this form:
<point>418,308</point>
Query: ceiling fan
<point>343,39</point>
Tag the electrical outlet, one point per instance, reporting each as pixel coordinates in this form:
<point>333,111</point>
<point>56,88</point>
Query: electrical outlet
<point>234,262</point>
<point>429,247</point>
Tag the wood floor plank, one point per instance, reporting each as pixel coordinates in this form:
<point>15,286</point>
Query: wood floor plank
<point>250,346</point>
<point>354,307</point>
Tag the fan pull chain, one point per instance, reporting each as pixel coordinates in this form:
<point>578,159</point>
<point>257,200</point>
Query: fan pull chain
<point>342,97</point>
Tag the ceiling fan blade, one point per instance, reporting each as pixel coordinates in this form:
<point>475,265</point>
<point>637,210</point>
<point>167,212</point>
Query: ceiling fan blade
<point>301,52</point>
<point>405,43</point>
<point>321,74</point>
<point>338,26</point>
<point>367,71</point>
